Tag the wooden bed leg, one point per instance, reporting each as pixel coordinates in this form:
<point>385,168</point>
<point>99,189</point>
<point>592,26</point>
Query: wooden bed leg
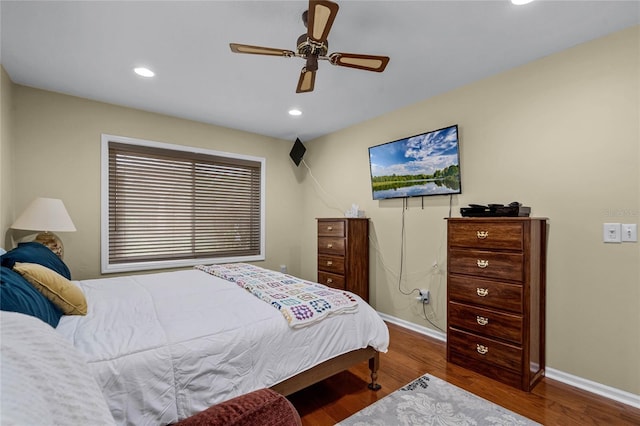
<point>374,364</point>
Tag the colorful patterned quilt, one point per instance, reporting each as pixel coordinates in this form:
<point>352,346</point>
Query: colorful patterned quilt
<point>301,302</point>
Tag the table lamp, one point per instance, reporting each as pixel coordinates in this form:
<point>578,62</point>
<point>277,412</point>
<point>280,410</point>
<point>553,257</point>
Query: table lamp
<point>47,215</point>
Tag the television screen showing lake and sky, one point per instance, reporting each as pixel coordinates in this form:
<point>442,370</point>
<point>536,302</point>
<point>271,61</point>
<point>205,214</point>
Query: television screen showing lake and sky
<point>420,165</point>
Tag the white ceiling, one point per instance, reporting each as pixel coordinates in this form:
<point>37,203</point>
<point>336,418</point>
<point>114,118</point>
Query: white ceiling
<point>89,48</point>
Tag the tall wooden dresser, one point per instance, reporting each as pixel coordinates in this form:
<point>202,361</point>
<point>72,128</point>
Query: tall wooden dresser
<point>343,254</point>
<point>496,297</point>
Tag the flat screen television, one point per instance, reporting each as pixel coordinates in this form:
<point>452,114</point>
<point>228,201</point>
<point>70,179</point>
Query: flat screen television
<point>417,166</point>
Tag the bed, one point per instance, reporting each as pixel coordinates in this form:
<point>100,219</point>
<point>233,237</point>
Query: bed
<point>164,346</point>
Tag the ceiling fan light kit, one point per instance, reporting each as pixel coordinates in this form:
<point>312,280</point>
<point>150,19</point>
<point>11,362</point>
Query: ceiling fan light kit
<point>314,46</point>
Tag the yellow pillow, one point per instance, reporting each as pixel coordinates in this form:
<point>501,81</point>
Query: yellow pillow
<point>59,290</point>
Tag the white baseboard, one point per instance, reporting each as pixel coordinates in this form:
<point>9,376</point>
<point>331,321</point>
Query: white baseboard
<point>415,327</point>
<point>594,387</point>
<point>615,394</point>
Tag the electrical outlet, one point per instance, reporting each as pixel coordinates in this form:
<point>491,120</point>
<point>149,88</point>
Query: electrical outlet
<point>629,232</point>
<point>424,296</point>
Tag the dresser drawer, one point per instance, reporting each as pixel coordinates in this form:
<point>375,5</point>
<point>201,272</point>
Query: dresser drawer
<point>328,228</point>
<point>485,293</point>
<point>334,264</point>
<point>330,245</point>
<point>506,266</point>
<point>484,351</point>
<point>488,322</point>
<point>331,280</point>
<point>482,235</point>
<point>510,377</point>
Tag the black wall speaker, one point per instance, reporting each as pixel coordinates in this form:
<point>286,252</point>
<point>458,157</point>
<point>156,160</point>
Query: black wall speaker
<point>297,152</point>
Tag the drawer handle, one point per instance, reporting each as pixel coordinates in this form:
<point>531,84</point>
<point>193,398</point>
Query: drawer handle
<point>329,245</point>
<point>482,292</point>
<point>329,280</point>
<point>329,228</point>
<point>482,320</point>
<point>482,234</point>
<point>482,349</point>
<point>482,263</point>
<point>329,263</point>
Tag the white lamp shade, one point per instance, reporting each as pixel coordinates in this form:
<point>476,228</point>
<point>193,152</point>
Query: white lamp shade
<point>45,214</point>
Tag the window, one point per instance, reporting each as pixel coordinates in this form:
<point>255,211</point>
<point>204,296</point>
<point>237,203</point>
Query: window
<point>170,205</point>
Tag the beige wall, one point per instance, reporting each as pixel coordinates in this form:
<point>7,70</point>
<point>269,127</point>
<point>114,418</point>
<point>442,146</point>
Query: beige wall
<point>561,135</point>
<point>57,155</point>
<point>6,168</point>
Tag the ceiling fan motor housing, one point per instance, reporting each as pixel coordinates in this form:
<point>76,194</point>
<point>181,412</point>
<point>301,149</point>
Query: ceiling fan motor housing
<point>306,46</point>
<point>310,50</point>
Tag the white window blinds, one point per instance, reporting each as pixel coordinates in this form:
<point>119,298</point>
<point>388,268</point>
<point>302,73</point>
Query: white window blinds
<point>170,205</point>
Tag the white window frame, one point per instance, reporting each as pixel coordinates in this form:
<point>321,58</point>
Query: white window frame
<point>106,267</point>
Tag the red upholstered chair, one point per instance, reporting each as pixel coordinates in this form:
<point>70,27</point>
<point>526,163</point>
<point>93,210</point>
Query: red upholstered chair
<point>262,407</point>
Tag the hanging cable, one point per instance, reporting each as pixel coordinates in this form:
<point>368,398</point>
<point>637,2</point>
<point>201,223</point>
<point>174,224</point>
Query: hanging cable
<point>424,310</point>
<point>339,208</point>
<point>402,242</point>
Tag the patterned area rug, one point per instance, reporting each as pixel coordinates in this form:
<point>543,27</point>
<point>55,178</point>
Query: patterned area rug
<point>431,401</point>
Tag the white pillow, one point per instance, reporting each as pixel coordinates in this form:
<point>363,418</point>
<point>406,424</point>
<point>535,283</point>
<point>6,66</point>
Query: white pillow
<point>44,378</point>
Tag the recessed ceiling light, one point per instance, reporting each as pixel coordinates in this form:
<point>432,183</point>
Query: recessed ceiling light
<point>520,2</point>
<point>144,72</point>
<point>295,112</point>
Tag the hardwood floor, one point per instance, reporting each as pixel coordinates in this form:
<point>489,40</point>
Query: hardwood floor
<point>412,354</point>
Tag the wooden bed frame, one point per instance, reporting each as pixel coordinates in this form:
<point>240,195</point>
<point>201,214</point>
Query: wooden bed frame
<point>331,367</point>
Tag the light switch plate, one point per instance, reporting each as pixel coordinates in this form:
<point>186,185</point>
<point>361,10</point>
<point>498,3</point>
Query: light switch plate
<point>611,233</point>
<point>629,232</point>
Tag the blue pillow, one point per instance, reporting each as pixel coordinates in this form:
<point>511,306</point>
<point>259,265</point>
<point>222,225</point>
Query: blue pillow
<point>17,295</point>
<point>33,252</point>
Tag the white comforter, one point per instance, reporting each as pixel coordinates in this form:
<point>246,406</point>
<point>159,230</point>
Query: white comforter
<point>166,346</point>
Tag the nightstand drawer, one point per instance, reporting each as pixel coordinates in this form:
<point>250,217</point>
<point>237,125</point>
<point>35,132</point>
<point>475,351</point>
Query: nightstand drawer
<point>483,235</point>
<point>485,351</point>
<point>499,325</point>
<point>330,228</point>
<point>505,266</point>
<point>331,280</point>
<point>486,293</point>
<point>334,264</point>
<point>329,245</point>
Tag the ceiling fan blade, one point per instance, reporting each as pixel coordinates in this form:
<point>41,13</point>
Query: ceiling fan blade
<point>306,81</point>
<point>259,50</point>
<point>361,62</point>
<point>320,18</point>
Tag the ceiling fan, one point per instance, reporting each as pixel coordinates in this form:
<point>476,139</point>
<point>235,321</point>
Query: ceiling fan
<point>313,46</point>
